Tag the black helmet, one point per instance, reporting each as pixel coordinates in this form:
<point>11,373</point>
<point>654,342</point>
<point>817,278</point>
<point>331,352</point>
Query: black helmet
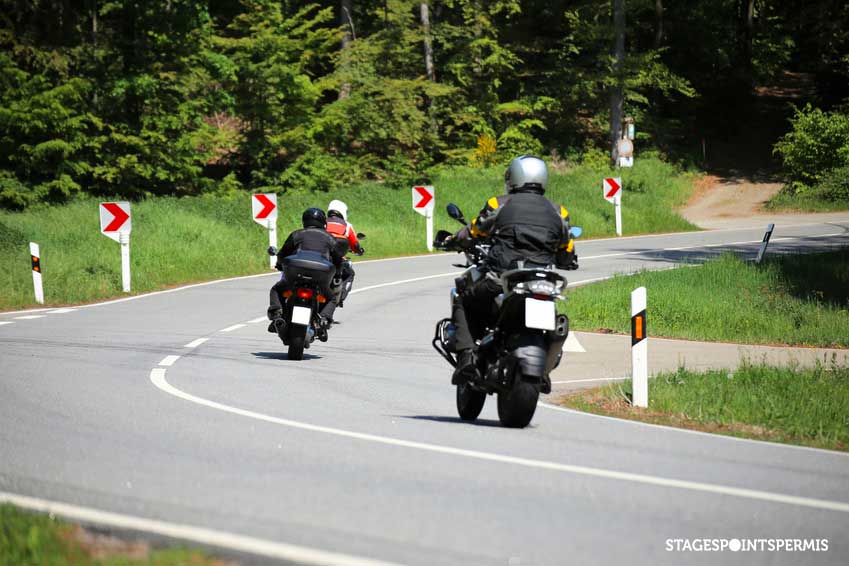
<point>314,217</point>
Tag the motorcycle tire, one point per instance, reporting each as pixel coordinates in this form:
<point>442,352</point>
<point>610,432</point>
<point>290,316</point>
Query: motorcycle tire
<point>296,345</point>
<point>516,407</point>
<point>469,402</point>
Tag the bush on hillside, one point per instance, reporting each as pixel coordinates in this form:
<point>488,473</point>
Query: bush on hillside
<point>834,186</point>
<point>817,144</point>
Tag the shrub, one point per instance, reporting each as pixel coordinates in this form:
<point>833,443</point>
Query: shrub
<point>817,144</point>
<point>835,185</point>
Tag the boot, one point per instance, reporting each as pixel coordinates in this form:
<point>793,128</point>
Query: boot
<point>465,370</point>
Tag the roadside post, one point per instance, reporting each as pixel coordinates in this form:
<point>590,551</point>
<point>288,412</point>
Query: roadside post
<point>423,202</point>
<point>611,189</point>
<point>639,349</point>
<point>264,213</point>
<point>116,224</point>
<point>765,242</point>
<point>35,258</point>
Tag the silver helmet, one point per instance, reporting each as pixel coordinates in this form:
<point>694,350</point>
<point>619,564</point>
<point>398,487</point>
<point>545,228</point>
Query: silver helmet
<point>526,173</point>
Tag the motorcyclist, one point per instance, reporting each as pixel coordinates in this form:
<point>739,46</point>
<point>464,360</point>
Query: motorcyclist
<point>522,225</point>
<point>346,240</point>
<point>314,238</point>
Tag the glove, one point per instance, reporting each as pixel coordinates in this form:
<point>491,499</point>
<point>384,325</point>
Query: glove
<point>360,250</point>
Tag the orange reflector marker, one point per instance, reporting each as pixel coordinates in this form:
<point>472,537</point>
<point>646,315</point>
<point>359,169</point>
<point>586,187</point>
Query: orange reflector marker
<point>638,327</point>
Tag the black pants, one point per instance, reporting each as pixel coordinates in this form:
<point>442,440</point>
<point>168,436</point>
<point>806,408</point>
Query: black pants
<point>275,307</point>
<point>347,273</point>
<point>474,310</point>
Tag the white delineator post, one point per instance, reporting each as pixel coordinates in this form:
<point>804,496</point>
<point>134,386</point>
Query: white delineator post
<point>611,190</point>
<point>429,218</point>
<point>116,224</point>
<point>639,349</point>
<point>617,204</point>
<point>424,199</point>
<point>124,239</point>
<point>272,239</point>
<point>264,213</point>
<point>36,272</point>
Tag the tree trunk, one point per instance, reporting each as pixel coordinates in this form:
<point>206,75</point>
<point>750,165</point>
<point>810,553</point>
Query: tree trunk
<point>658,16</point>
<point>346,21</point>
<point>617,93</point>
<point>428,48</point>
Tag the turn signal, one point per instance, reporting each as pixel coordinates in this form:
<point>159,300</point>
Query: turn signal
<point>305,293</point>
<point>287,294</point>
<point>321,299</point>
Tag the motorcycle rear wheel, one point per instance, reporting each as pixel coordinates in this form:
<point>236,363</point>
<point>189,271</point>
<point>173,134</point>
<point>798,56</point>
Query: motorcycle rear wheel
<point>296,345</point>
<point>516,407</point>
<point>469,402</point>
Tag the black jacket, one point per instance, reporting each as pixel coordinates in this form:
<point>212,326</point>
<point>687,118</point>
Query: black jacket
<point>310,240</point>
<point>523,226</point>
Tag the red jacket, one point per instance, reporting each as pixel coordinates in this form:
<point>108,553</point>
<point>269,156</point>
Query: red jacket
<point>345,235</point>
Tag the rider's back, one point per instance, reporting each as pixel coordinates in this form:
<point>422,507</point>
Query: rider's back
<point>527,227</point>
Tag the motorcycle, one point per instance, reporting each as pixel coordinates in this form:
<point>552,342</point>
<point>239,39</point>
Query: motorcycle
<point>309,276</point>
<point>524,342</point>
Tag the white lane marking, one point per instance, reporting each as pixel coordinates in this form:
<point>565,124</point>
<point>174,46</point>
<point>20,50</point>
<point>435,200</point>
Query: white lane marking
<point>588,380</point>
<point>30,317</point>
<point>195,343</point>
<point>6,322</point>
<point>649,252</point>
<point>572,345</point>
<point>157,377</point>
<point>714,436</point>
<point>413,280</point>
<point>175,290</point>
<point>257,319</point>
<point>61,311</point>
<point>169,360</point>
<point>232,328</point>
<point>25,311</point>
<point>220,539</point>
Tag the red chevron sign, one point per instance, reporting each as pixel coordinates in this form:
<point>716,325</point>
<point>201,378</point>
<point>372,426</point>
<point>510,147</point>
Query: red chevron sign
<point>611,187</point>
<point>115,219</point>
<point>264,207</point>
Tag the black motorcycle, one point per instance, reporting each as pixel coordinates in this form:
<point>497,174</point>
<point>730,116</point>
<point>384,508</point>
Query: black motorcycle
<point>311,278</point>
<point>522,342</point>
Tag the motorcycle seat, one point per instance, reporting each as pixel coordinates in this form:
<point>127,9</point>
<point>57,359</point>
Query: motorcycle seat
<point>308,261</point>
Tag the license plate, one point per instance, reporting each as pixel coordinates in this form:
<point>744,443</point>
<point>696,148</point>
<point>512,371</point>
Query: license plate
<point>301,315</point>
<point>539,314</point>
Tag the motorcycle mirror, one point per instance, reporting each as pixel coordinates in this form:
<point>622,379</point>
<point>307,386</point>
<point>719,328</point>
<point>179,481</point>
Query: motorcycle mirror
<point>361,236</point>
<point>455,213</point>
<point>272,250</point>
<point>576,231</point>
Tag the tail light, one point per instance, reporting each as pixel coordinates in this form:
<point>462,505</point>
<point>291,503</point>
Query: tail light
<point>543,297</point>
<point>305,293</point>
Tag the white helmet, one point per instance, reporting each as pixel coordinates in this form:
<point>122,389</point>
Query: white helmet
<point>339,207</point>
<point>526,173</point>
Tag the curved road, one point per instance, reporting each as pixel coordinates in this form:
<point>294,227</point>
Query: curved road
<point>179,408</point>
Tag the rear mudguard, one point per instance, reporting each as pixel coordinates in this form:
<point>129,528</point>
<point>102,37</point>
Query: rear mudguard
<point>530,352</point>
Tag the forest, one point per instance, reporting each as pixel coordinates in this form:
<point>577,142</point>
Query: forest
<point>136,98</point>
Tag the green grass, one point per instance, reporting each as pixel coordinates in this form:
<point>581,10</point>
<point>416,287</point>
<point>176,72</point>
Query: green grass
<point>179,240</point>
<point>805,203</point>
<point>800,406</point>
<point>791,299</point>
<point>28,539</point>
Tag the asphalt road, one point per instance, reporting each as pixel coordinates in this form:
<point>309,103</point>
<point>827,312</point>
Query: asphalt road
<point>357,449</point>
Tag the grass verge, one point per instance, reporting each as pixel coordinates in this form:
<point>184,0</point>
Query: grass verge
<point>785,202</point>
<point>180,240</point>
<point>29,539</point>
<point>790,405</point>
<point>790,299</point>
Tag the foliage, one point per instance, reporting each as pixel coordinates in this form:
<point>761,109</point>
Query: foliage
<point>185,97</point>
<point>29,539</point>
<point>790,404</point>
<point>817,144</point>
<point>178,240</point>
<point>834,187</point>
<point>792,299</point>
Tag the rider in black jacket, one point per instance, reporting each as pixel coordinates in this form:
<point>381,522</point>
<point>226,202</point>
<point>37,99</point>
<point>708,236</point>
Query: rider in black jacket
<point>313,238</point>
<point>523,226</point>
